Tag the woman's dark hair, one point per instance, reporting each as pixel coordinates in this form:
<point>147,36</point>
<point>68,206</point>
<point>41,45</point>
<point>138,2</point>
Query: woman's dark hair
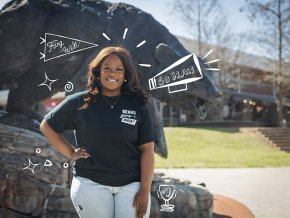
<point>94,86</point>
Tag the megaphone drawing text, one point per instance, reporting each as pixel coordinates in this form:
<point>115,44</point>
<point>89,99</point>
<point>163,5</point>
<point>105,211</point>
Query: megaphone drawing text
<point>170,77</point>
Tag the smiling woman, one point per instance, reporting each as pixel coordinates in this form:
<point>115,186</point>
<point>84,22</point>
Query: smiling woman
<point>114,160</point>
<point>112,76</point>
<point>112,72</point>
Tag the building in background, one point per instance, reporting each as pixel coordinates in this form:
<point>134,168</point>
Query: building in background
<point>248,86</point>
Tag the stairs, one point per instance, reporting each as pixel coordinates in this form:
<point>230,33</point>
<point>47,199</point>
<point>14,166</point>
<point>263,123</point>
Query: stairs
<point>278,137</point>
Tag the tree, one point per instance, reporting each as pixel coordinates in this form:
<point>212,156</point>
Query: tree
<point>206,22</point>
<point>202,19</point>
<point>274,19</point>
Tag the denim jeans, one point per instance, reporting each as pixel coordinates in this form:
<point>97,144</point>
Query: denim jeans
<point>93,200</point>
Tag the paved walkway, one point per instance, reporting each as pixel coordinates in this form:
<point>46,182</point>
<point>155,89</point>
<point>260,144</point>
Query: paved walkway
<point>265,191</point>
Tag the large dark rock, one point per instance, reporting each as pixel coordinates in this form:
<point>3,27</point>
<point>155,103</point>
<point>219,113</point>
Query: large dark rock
<point>23,22</point>
<point>27,194</point>
<point>190,201</point>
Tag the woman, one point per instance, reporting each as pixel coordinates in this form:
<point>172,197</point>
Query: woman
<point>114,160</point>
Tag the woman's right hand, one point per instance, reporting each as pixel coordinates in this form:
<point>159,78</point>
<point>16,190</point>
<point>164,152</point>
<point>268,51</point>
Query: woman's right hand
<point>79,153</point>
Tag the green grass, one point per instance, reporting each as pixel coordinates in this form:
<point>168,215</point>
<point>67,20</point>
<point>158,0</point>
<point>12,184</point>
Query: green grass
<point>218,148</point>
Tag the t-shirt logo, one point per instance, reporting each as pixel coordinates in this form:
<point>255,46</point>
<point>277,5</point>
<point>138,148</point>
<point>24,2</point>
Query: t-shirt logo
<point>129,117</point>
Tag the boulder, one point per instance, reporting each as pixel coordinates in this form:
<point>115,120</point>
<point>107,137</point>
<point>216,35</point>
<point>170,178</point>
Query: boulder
<point>36,191</point>
<point>190,201</point>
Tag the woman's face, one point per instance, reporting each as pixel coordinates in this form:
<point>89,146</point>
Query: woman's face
<point>112,75</point>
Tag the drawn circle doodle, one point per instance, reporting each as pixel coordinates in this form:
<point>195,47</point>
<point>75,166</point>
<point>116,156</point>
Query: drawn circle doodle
<point>38,150</point>
<point>68,87</point>
<point>65,165</point>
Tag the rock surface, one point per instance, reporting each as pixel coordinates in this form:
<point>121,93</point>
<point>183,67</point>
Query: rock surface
<point>36,191</point>
<point>190,201</point>
<point>45,192</point>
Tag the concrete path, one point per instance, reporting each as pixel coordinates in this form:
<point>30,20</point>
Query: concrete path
<point>265,191</point>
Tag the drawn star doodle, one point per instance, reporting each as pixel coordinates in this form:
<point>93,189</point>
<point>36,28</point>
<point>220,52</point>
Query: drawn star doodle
<point>29,166</point>
<point>49,82</point>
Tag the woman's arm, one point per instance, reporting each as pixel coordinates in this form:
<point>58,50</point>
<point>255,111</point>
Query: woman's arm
<point>58,141</point>
<point>147,170</point>
<point>147,165</point>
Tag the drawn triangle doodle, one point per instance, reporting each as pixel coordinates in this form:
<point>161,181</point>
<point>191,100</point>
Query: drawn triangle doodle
<point>47,163</point>
<point>57,46</point>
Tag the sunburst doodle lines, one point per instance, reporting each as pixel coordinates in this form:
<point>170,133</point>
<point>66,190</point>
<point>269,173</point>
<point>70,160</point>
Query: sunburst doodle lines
<point>57,46</point>
<point>169,77</point>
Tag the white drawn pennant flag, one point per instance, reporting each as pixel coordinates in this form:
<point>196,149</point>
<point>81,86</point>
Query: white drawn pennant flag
<point>57,46</point>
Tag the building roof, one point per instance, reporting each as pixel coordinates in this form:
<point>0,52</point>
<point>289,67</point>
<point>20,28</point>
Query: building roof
<point>244,59</point>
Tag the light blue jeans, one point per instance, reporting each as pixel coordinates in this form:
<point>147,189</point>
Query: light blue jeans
<point>93,200</point>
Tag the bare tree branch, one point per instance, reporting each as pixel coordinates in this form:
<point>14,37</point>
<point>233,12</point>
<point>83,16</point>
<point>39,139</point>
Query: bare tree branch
<point>275,18</point>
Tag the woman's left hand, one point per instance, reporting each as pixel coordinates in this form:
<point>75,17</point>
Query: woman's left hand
<point>140,203</point>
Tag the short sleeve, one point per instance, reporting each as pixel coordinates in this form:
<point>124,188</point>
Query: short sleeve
<point>60,118</point>
<point>146,131</point>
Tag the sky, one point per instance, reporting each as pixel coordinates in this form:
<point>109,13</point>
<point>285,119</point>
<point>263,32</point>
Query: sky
<point>161,10</point>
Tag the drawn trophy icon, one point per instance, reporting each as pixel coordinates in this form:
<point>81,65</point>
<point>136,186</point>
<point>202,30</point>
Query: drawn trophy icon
<point>166,192</point>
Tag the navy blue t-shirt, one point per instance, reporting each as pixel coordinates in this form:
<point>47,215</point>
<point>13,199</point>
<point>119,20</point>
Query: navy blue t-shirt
<point>111,136</point>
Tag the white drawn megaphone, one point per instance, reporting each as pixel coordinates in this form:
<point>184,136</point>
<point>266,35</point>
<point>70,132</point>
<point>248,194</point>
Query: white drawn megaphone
<point>179,78</point>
